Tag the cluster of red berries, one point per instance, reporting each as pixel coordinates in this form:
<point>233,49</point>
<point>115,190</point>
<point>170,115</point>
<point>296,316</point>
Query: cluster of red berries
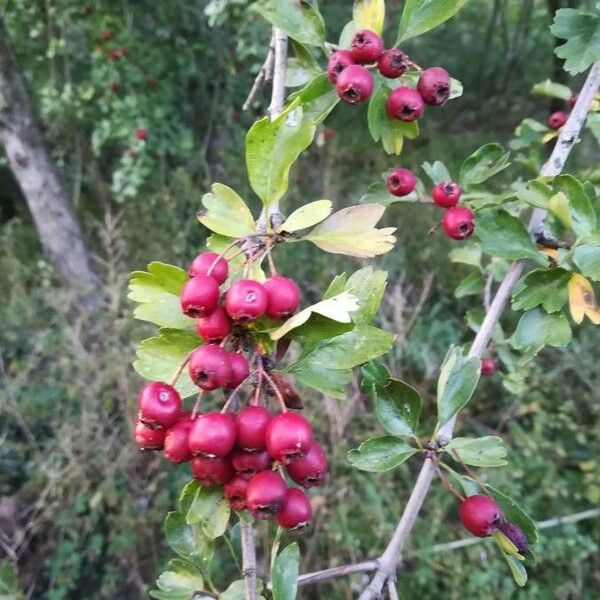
<point>558,118</point>
<point>354,82</point>
<point>482,516</point>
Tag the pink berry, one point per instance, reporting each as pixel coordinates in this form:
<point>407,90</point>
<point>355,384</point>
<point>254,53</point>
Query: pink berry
<point>289,437</point>
<point>212,472</point>
<point>215,326</point>
<point>147,438</point>
<point>177,447</point>
<point>159,404</point>
<point>393,63</point>
<point>265,494</point>
<point>235,492</point>
<point>310,470</point>
<point>247,464</point>
<point>354,85</point>
<point>557,119</point>
<point>405,103</point>
<point>488,367</point>
<point>212,435</point>
<point>252,423</point>
<point>458,222</point>
<point>209,367</point>
<point>366,47</point>
<point>295,512</point>
<point>239,370</point>
<point>338,61</point>
<point>446,194</point>
<point>199,296</point>
<point>210,261</point>
<point>246,300</point>
<point>283,297</point>
<point>401,182</point>
<point>480,515</point>
<point>140,133</point>
<point>434,86</point>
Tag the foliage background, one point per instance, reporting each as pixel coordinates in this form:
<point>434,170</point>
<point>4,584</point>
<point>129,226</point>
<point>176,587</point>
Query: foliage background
<point>80,508</point>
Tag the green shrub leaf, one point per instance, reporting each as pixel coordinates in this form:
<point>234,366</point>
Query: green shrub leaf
<point>420,16</point>
<point>284,576</point>
<point>226,213</point>
<point>380,454</point>
<point>484,163</point>
<point>398,407</point>
<point>487,451</point>
<point>542,287</point>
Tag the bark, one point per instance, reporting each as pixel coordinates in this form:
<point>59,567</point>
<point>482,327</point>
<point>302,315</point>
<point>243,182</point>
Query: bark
<point>58,229</point>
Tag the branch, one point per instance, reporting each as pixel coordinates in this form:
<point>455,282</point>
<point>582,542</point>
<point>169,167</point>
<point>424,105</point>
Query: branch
<point>248,558</point>
<point>335,572</point>
<point>263,75</point>
<point>278,91</point>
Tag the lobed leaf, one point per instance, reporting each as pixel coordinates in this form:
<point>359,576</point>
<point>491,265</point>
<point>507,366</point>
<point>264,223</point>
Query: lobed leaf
<point>543,287</point>
<point>306,216</point>
<point>226,213</point>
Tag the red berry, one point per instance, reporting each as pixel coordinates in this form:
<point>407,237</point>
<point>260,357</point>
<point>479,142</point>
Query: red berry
<point>203,263</point>
<point>515,535</point>
<point>239,370</point>
<point>106,35</point>
<point>434,86</point>
<point>329,133</point>
<point>247,464</point>
<point>393,63</point>
<point>199,296</point>
<point>283,296</point>
<point>366,47</point>
<point>401,182</point>
<point>212,472</point>
<point>212,435</point>
<point>354,84</point>
<point>147,438</point>
<point>235,492</point>
<point>458,222</point>
<point>572,100</point>
<point>215,326</point>
<point>252,423</point>
<point>488,367</point>
<point>557,119</point>
<point>338,61</point>
<point>480,515</point>
<point>209,367</point>
<point>177,447</point>
<point>310,470</point>
<point>446,194</point>
<point>265,494</point>
<point>140,133</point>
<point>405,103</point>
<point>159,404</point>
<point>289,437</point>
<point>296,511</point>
<point>113,55</point>
<point>246,300</point>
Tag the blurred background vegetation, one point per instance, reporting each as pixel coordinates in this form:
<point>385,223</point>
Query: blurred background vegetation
<point>80,508</point>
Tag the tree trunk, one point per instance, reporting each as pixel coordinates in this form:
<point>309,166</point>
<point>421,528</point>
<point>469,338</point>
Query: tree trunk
<point>58,229</point>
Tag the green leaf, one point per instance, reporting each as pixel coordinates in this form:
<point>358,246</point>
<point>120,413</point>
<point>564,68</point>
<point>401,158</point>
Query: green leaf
<point>593,124</point>
<point>158,358</point>
<point>505,236</point>
<point>535,193</point>
<point>514,513</point>
<point>284,576</point>
<point>485,162</point>
<point>587,259</point>
<point>380,454</point>
<point>437,172</point>
<point>471,285</point>
<point>377,193</point>
<point>210,510</point>
<point>347,34</point>
<point>9,584</point>
<point>373,373</point>
<point>581,29</point>
<point>517,570</point>
<point>237,590</point>
<point>552,90</point>
<point>226,213</point>
<point>369,14</point>
<point>302,21</point>
<point>318,98</point>
<point>420,16</point>
<point>542,287</point>
<point>456,384</point>
<point>187,495</point>
<point>583,215</point>
<point>398,407</point>
<point>488,451</point>
<point>157,292</point>
<point>529,132</point>
<point>467,254</point>
<point>180,536</point>
<point>352,231</point>
<point>172,595</point>
<point>271,149</point>
<point>331,382</point>
<point>537,329</point>
<point>181,576</point>
<point>306,216</point>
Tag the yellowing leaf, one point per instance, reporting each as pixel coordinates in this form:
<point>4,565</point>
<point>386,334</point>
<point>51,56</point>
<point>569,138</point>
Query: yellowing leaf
<point>582,300</point>
<point>306,216</point>
<point>226,213</point>
<point>507,546</point>
<point>551,253</point>
<point>558,205</point>
<point>369,14</point>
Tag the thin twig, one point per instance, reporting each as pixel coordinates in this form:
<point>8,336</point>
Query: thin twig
<point>280,58</point>
<point>487,292</point>
<point>263,75</point>
<point>248,558</point>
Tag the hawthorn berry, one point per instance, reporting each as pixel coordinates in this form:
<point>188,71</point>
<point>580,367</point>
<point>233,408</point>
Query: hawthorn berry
<point>434,86</point>
<point>239,370</point>
<point>159,404</point>
<point>401,182</point>
<point>246,300</point>
<point>212,435</point>
<point>405,103</point>
<point>458,222</point>
<point>296,511</point>
<point>338,61</point>
<point>393,63</point>
<point>354,85</point>
<point>140,133</point>
<point>203,263</point>
<point>215,326</point>
<point>310,470</point>
<point>515,535</point>
<point>251,424</point>
<point>147,438</point>
<point>199,296</point>
<point>209,367</point>
<point>557,119</point>
<point>366,47</point>
<point>480,515</point>
<point>106,35</point>
<point>329,133</point>
<point>488,367</point>
<point>212,472</point>
<point>572,100</point>
<point>289,437</point>
<point>446,194</point>
<point>235,492</point>
<point>247,464</point>
<point>283,297</point>
<point>177,447</point>
<point>265,494</point>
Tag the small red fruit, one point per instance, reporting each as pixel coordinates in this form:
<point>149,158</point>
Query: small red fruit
<point>393,63</point>
<point>338,61</point>
<point>309,471</point>
<point>246,300</point>
<point>212,435</point>
<point>252,423</point>
<point>488,367</point>
<point>446,194</point>
<point>177,447</point>
<point>212,472</point>
<point>515,535</point>
<point>199,296</point>
<point>401,182</point>
<point>106,35</point>
<point>114,55</point>
<point>203,263</point>
<point>329,133</point>
<point>235,492</point>
<point>458,222</point>
<point>239,369</point>
<point>265,494</point>
<point>572,100</point>
<point>296,511</point>
<point>140,133</point>
<point>247,464</point>
<point>405,103</point>
<point>557,119</point>
<point>480,515</point>
<point>283,297</point>
<point>159,404</point>
<point>366,47</point>
<point>209,367</point>
<point>147,438</point>
<point>289,437</point>
<point>434,86</point>
<point>354,85</point>
<point>215,326</point>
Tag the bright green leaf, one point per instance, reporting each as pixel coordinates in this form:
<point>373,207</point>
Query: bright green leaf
<point>471,285</point>
<point>488,451</point>
<point>535,193</point>
<point>377,193</point>
<point>398,407</point>
<point>485,162</point>
<point>552,90</point>
<point>187,495</point>
<point>420,16</point>
<point>583,215</point>
<point>318,98</point>
<point>181,576</point>
<point>467,254</point>
<point>587,258</point>
<point>517,569</point>
<point>593,124</point>
<point>226,213</point>
<point>537,329</point>
<point>210,510</point>
<point>581,30</point>
<point>542,287</point>
<point>306,216</point>
<point>436,171</point>
<point>180,536</point>
<point>237,590</point>
<point>380,454</point>
<point>284,576</point>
